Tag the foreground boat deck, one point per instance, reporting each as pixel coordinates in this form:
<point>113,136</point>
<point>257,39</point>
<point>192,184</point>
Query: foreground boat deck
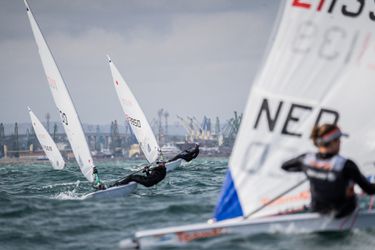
<point>294,223</point>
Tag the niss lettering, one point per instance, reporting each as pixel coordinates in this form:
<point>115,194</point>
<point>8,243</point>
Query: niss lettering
<point>349,8</point>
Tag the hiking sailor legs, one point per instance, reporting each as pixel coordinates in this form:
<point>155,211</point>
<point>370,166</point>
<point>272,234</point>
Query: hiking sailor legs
<point>331,176</point>
<point>153,176</point>
<point>188,154</point>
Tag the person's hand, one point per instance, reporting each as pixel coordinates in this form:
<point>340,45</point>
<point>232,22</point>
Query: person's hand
<point>99,186</point>
<point>146,169</point>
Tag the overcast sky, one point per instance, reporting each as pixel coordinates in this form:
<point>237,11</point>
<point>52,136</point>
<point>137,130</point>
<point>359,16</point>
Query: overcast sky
<point>190,57</point>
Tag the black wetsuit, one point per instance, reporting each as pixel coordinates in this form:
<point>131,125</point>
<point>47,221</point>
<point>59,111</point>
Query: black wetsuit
<point>153,177</point>
<point>188,154</point>
<point>332,179</point>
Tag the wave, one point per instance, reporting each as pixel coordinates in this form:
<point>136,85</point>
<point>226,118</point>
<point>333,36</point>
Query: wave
<point>69,195</point>
<point>76,183</point>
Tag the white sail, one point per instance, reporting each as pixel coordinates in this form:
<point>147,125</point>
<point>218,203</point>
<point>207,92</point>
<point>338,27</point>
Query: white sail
<point>320,68</point>
<point>49,146</point>
<point>64,104</point>
<point>135,116</point>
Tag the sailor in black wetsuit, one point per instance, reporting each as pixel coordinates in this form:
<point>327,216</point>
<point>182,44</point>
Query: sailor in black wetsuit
<point>153,176</point>
<point>188,154</point>
<point>332,177</point>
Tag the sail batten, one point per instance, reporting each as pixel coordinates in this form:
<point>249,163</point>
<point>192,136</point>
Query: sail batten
<point>318,70</point>
<point>64,104</point>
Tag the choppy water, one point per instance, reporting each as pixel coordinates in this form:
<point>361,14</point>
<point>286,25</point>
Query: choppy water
<point>41,208</point>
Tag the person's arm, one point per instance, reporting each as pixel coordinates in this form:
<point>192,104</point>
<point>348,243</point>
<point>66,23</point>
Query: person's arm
<point>352,171</point>
<point>293,165</point>
<point>146,170</point>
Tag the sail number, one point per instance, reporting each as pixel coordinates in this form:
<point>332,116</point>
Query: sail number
<point>306,35</point>
<point>353,8</point>
<point>134,122</point>
<point>291,116</point>
<point>295,116</point>
<point>335,42</point>
<point>64,118</point>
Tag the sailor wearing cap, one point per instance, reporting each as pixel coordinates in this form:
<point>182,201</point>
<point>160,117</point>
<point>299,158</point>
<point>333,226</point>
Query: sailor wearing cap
<point>331,176</point>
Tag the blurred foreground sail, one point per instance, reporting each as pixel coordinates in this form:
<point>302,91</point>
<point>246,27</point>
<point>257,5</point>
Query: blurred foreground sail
<point>320,68</point>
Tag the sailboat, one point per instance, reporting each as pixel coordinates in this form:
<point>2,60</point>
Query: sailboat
<point>319,69</point>
<point>137,120</point>
<point>49,146</point>
<point>69,116</point>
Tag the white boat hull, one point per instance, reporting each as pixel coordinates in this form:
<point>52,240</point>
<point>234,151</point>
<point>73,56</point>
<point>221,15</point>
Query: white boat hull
<point>173,165</point>
<point>113,192</point>
<point>296,223</point>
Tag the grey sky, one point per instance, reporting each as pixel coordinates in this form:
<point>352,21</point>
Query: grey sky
<point>191,57</point>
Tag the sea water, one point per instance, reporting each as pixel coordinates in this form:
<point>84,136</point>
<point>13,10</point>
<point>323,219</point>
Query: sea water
<point>42,208</point>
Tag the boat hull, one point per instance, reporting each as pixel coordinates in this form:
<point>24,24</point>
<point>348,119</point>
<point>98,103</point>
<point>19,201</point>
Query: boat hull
<point>113,192</point>
<point>171,166</point>
<point>296,223</point>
